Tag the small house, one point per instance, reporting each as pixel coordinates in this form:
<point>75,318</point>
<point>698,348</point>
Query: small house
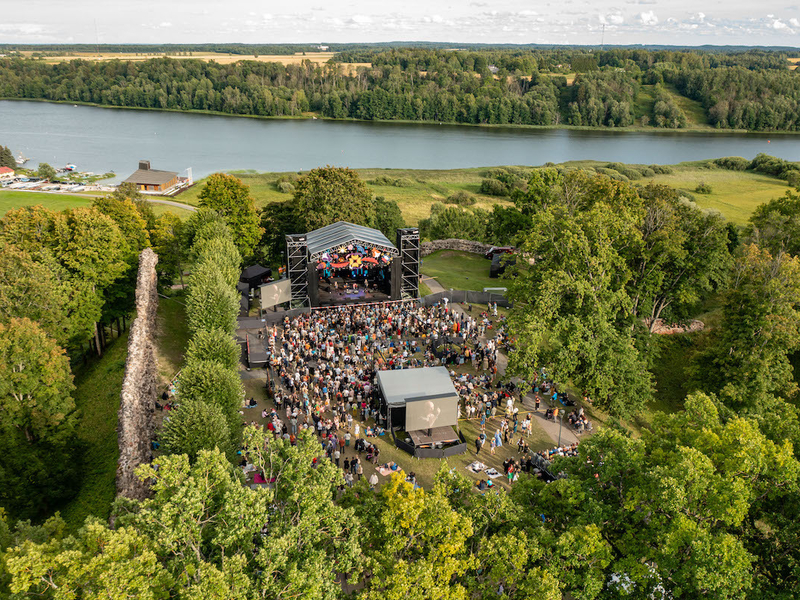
<point>152,180</point>
<point>6,174</point>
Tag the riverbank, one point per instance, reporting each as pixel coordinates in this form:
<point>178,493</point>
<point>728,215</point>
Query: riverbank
<point>405,122</point>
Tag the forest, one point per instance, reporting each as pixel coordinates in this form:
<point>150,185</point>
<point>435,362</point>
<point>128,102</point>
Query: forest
<point>701,500</point>
<point>752,90</point>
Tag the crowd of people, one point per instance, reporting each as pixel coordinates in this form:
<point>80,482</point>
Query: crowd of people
<point>322,373</point>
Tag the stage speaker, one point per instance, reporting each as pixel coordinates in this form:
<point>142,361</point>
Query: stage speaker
<point>313,284</point>
<point>408,246</point>
<point>297,268</point>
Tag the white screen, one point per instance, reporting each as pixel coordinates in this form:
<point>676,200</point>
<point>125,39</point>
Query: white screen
<point>276,293</point>
<point>427,413</point>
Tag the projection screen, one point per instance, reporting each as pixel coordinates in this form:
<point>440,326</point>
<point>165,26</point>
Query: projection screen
<point>274,293</point>
<point>427,412</point>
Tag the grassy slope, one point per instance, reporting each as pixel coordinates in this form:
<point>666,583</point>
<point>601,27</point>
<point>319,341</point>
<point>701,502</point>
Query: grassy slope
<point>735,194</point>
<point>97,398</point>
<point>171,337</point>
<point>10,199</point>
<point>459,270</point>
<point>415,201</point>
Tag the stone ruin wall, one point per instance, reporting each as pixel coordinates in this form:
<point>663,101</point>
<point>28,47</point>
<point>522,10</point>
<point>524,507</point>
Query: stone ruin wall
<point>139,388</point>
<point>427,248</point>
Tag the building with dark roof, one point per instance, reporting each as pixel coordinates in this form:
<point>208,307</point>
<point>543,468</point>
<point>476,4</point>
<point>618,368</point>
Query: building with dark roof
<point>152,180</point>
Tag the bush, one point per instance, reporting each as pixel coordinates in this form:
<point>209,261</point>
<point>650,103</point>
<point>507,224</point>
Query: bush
<point>703,188</point>
<point>763,163</point>
<point>631,173</point>
<point>647,171</point>
<point>793,178</point>
<point>385,181</point>
<point>214,384</point>
<point>732,163</point>
<point>285,187</point>
<point>196,426</point>
<point>462,198</point>
<point>615,166</point>
<point>214,345</point>
<point>612,174</point>
<point>493,187</point>
<point>661,169</point>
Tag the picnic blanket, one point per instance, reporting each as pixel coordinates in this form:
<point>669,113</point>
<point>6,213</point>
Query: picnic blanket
<point>384,471</point>
<point>476,467</point>
<point>493,473</point>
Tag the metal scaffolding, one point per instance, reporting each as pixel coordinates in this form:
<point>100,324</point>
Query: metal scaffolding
<point>408,242</point>
<point>297,267</point>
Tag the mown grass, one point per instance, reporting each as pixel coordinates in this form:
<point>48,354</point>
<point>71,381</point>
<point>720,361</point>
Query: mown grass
<point>644,104</point>
<point>459,270</point>
<point>735,194</point>
<point>97,397</point>
<point>695,113</point>
<point>10,199</point>
<point>172,335</point>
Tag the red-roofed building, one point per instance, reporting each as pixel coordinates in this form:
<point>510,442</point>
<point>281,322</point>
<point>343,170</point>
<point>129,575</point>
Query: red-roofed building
<point>6,174</point>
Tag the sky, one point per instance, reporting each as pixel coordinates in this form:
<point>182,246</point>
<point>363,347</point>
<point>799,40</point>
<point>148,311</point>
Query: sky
<point>674,22</point>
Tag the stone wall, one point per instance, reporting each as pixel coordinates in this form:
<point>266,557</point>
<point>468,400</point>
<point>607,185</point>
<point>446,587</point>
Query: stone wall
<point>427,248</point>
<point>139,390</point>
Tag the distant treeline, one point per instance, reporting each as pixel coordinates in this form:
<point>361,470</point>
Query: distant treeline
<point>752,90</point>
<point>244,49</point>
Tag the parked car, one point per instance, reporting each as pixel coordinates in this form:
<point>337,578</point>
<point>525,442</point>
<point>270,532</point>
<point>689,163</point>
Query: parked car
<point>495,250</point>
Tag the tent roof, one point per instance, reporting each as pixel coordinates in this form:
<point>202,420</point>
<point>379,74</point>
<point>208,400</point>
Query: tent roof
<point>343,233</point>
<point>400,385</point>
<point>254,271</point>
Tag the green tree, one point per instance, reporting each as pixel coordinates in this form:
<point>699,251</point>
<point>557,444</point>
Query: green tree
<point>216,385</point>
<point>167,238</point>
<point>388,218</point>
<point>747,359</point>
<point>45,171</point>
<point>231,199</point>
<point>330,194</point>
<point>454,222</point>
<point>572,313</point>
<point>775,225</point>
<point>210,303</point>
<point>277,220</point>
<point>194,426</point>
<point>7,158</point>
<point>37,420</point>
<point>214,345</point>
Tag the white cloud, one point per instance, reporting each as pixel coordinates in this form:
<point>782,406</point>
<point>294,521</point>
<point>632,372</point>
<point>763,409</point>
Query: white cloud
<point>613,19</point>
<point>21,28</point>
<point>648,18</point>
<point>361,19</point>
<point>165,24</point>
<point>794,22</point>
<point>778,24</point>
<point>699,17</point>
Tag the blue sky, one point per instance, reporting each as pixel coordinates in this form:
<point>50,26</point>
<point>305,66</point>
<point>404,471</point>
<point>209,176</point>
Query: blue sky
<point>684,22</point>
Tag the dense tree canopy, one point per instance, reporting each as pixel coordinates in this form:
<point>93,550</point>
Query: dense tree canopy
<point>329,194</point>
<point>231,199</point>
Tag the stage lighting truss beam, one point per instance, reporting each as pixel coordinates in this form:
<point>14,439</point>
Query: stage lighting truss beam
<point>409,259</point>
<point>297,263</point>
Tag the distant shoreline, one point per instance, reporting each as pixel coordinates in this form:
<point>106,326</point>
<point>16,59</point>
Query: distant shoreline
<point>309,117</point>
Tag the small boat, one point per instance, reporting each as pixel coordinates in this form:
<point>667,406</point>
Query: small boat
<point>21,160</point>
<point>71,168</point>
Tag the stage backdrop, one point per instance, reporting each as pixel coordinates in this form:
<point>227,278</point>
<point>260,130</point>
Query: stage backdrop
<point>427,412</point>
<point>275,293</point>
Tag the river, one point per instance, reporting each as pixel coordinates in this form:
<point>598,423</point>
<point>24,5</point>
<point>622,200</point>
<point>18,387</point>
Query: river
<point>108,139</point>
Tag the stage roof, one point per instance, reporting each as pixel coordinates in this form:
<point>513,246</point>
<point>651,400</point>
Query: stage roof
<point>400,385</point>
<point>343,233</point>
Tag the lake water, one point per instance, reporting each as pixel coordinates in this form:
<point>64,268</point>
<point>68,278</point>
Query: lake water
<point>107,139</point>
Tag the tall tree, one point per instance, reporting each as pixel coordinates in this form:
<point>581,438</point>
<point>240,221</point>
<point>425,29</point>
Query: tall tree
<point>37,419</point>
<point>775,225</point>
<point>572,313</point>
<point>45,171</point>
<point>231,199</point>
<point>330,194</point>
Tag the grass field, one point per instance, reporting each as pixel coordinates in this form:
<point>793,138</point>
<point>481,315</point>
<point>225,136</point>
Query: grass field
<point>10,199</point>
<point>459,270</point>
<point>734,193</point>
<point>97,398</point>
<point>793,63</point>
<point>219,57</point>
<point>172,336</point>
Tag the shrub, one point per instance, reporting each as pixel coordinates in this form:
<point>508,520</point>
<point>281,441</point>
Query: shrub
<point>383,180</point>
<point>403,182</point>
<point>285,187</point>
<point>631,173</point>
<point>661,169</point>
<point>612,174</point>
<point>793,178</point>
<point>214,345</point>
<point>703,188</point>
<point>196,426</point>
<point>215,384</point>
<point>462,198</point>
<point>615,166</point>
<point>732,163</point>
<point>647,171</point>
<point>493,187</point>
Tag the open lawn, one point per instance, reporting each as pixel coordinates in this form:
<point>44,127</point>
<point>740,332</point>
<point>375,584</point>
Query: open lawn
<point>172,335</point>
<point>97,397</point>
<point>734,193</point>
<point>459,270</point>
<point>10,199</point>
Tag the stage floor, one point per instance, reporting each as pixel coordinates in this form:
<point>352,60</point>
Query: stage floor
<point>338,297</point>
<point>439,435</point>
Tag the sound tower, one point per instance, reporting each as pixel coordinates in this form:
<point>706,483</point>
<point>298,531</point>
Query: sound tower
<point>297,268</point>
<point>408,246</point>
